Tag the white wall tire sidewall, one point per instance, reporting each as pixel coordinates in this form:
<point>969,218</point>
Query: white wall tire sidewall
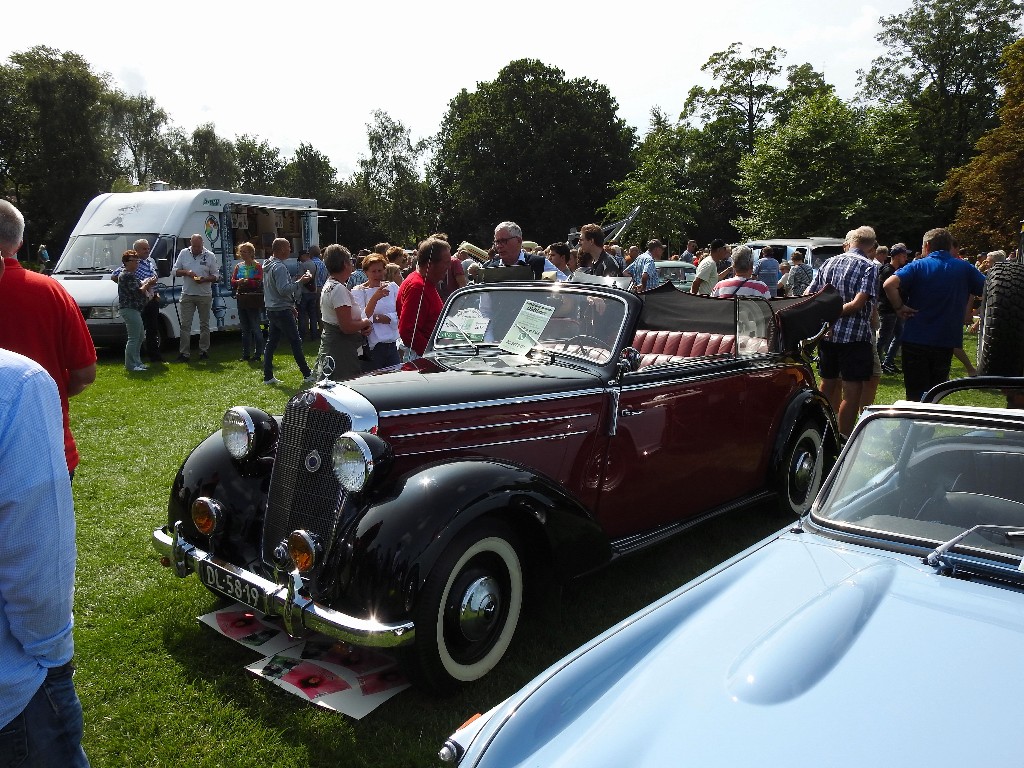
<point>467,673</point>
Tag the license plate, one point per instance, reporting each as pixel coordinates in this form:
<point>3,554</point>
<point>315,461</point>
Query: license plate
<point>230,585</point>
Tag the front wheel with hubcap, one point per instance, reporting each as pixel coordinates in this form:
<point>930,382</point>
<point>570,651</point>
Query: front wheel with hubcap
<point>800,473</point>
<point>468,609</point>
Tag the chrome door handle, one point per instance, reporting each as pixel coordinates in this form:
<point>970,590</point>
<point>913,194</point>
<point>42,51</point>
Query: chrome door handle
<point>629,412</point>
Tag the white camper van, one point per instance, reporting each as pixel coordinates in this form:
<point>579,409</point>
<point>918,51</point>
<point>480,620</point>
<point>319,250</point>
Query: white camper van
<point>111,223</point>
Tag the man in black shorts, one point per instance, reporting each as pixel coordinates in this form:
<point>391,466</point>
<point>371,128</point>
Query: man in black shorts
<point>846,356</point>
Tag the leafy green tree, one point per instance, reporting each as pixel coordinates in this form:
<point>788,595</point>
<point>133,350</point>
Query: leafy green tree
<point>745,95</point>
<point>309,174</point>
<point>988,188</point>
<point>214,159</point>
<point>63,157</point>
<point>14,138</point>
<point>713,154</point>
<point>942,60</point>
<point>530,146</point>
<point>172,160</point>
<point>202,160</point>
<point>747,100</point>
<point>802,82</point>
<point>398,198</point>
<point>355,227</point>
<point>828,168</point>
<point>138,127</point>
<point>656,184</point>
<point>259,166</point>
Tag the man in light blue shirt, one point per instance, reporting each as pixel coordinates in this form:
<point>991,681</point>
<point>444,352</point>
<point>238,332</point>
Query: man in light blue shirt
<point>40,714</point>
<point>643,271</point>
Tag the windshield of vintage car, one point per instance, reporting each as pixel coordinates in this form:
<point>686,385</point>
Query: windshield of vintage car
<point>927,481</point>
<point>522,321</point>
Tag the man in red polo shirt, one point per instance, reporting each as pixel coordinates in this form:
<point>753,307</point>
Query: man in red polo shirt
<point>40,320</point>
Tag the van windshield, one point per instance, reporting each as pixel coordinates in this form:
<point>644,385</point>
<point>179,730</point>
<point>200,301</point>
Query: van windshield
<point>98,253</point>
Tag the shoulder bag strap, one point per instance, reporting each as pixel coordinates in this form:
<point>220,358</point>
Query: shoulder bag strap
<point>416,322</point>
<point>737,288</point>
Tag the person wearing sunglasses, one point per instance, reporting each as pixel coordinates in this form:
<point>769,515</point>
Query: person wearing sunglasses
<point>132,296</point>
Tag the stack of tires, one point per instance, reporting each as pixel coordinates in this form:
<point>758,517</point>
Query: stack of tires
<point>1001,335</point>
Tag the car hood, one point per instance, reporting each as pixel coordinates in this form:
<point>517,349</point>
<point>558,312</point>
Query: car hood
<point>803,652</point>
<point>426,383</point>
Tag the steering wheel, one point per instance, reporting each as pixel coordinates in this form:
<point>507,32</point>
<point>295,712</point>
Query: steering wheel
<point>600,343</point>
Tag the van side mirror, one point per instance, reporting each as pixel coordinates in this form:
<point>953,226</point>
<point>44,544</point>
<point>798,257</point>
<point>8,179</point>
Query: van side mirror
<point>163,255</point>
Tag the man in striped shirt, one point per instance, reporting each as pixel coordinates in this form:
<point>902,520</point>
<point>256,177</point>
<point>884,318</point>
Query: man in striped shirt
<point>743,284</point>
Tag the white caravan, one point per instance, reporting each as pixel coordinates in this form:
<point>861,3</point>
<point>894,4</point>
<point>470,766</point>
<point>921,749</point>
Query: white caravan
<point>111,223</point>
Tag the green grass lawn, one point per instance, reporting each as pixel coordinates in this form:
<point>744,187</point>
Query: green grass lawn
<point>160,689</point>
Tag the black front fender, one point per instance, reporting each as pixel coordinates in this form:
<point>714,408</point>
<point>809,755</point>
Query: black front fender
<point>240,486</point>
<point>402,532</point>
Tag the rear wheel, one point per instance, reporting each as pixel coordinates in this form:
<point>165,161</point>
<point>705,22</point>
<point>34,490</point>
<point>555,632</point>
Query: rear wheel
<point>802,469</point>
<point>468,609</point>
<point>1001,335</point>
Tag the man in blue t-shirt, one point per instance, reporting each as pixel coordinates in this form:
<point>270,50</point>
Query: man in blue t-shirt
<point>938,287</point>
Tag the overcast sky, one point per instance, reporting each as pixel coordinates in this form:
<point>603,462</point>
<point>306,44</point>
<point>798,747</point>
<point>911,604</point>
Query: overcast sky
<point>257,67</point>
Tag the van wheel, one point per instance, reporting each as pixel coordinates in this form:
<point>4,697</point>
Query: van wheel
<point>1001,334</point>
<point>468,609</point>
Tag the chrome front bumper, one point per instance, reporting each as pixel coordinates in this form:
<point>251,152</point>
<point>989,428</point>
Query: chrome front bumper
<point>299,614</point>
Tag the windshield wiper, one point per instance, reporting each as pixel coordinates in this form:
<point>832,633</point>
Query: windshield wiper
<point>935,556</point>
<point>449,322</point>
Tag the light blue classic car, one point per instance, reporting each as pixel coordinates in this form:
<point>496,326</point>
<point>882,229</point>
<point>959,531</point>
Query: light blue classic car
<point>884,627</point>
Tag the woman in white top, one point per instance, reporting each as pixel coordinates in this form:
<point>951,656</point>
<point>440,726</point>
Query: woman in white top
<point>345,328</point>
<point>376,301</point>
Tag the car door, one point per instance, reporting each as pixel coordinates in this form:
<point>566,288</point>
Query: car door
<point>678,425</point>
<point>692,433</point>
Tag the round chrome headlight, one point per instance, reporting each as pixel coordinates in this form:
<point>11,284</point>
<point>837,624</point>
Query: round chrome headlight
<point>352,461</point>
<point>239,431</point>
<point>248,432</point>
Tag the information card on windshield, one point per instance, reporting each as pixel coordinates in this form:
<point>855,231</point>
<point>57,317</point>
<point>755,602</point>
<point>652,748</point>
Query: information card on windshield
<point>527,328</point>
<point>465,325</point>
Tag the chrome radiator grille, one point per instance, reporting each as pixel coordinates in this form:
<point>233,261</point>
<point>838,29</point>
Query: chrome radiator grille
<point>304,493</point>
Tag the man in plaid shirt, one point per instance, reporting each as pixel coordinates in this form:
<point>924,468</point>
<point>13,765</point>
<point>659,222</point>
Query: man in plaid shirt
<point>846,354</point>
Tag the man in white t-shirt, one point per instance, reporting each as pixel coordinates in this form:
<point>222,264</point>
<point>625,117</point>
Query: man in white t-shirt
<point>708,268</point>
<point>200,269</point>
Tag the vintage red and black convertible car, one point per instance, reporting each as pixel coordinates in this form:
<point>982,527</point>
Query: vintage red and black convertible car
<point>549,429</point>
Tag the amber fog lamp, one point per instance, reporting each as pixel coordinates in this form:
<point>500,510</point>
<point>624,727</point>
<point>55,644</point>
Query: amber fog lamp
<point>304,549</point>
<point>248,431</point>
<point>207,515</point>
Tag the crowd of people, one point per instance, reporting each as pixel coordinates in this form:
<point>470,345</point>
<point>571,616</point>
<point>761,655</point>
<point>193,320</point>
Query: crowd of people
<point>896,303</point>
<point>377,308</point>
